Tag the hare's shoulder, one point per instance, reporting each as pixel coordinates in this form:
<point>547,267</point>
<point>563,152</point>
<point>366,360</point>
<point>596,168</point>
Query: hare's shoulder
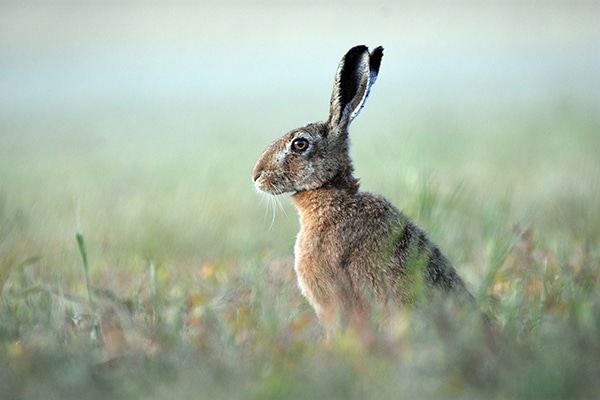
<point>373,205</point>
<point>343,219</point>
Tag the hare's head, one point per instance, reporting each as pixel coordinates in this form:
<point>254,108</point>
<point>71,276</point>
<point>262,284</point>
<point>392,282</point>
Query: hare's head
<point>316,155</point>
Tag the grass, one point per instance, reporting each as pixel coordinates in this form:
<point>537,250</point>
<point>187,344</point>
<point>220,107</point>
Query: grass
<point>190,294</point>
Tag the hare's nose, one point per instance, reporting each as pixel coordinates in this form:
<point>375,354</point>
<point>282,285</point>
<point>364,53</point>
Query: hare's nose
<point>256,172</point>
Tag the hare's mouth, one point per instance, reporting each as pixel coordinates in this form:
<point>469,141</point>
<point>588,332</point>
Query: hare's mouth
<point>268,184</point>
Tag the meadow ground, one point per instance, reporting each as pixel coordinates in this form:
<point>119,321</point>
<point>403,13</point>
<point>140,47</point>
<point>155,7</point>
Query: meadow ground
<point>140,137</point>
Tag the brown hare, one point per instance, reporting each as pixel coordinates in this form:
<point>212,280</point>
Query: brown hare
<point>354,249</point>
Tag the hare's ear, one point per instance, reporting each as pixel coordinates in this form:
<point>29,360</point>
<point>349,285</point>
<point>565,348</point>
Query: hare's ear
<point>355,75</point>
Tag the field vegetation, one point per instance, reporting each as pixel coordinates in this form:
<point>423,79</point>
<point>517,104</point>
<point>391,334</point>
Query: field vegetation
<point>192,291</point>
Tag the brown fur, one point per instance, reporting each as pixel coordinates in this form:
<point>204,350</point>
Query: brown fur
<point>353,247</point>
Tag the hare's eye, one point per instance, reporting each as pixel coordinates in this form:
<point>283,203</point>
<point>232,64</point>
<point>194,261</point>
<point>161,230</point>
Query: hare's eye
<point>300,144</point>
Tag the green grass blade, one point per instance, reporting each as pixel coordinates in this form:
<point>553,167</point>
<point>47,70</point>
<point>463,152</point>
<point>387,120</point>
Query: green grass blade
<point>86,271</point>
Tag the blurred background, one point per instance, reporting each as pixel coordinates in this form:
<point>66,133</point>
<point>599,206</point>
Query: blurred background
<point>139,122</point>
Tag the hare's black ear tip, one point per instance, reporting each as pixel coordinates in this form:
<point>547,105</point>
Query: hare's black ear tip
<point>376,56</point>
<point>356,51</point>
<point>377,52</point>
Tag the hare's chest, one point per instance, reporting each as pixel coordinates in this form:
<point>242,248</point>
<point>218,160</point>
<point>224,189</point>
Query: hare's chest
<point>314,265</point>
